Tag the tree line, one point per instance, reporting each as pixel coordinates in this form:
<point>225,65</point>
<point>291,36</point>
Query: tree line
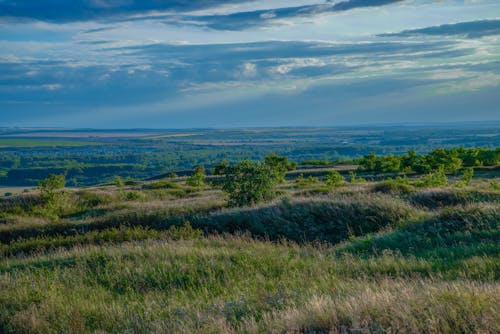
<point>450,160</point>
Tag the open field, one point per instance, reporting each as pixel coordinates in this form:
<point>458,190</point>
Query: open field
<point>164,256</point>
<point>24,142</point>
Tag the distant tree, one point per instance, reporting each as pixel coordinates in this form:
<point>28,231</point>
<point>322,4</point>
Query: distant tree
<point>119,182</point>
<point>280,165</point>
<point>249,183</point>
<point>391,164</point>
<point>489,157</point>
<point>435,179</point>
<point>50,186</point>
<point>53,196</point>
<point>334,179</point>
<point>198,177</point>
<point>447,160</point>
<point>409,161</point>
<point>466,177</point>
<point>368,162</point>
<point>221,167</point>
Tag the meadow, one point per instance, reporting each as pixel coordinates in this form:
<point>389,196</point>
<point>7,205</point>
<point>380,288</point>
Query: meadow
<point>165,256</point>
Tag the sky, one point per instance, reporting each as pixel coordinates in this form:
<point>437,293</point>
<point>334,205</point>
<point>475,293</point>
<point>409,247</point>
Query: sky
<point>237,63</point>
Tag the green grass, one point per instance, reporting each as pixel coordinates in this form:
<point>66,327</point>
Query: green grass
<point>234,284</point>
<point>345,260</point>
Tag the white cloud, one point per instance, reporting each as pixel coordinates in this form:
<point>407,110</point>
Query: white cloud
<point>248,70</point>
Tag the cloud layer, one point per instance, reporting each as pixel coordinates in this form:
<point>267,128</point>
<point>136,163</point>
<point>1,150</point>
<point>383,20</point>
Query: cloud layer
<point>122,63</point>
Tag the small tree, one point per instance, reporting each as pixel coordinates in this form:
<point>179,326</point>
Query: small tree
<point>249,183</point>
<point>220,168</point>
<point>333,179</point>
<point>50,186</point>
<point>280,165</point>
<point>52,195</point>
<point>435,179</point>
<point>198,177</point>
<point>119,182</point>
<point>466,177</point>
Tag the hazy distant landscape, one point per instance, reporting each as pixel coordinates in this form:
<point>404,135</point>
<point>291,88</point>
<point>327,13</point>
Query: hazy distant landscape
<point>90,157</point>
<point>250,166</point>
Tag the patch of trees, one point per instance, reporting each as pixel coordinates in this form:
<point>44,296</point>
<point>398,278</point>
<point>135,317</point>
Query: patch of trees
<point>449,160</point>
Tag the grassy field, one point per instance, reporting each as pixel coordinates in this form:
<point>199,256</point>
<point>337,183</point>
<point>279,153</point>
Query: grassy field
<point>173,258</point>
<point>24,142</point>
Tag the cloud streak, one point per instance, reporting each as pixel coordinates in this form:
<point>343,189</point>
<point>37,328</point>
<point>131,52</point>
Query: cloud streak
<point>474,29</point>
<point>176,11</point>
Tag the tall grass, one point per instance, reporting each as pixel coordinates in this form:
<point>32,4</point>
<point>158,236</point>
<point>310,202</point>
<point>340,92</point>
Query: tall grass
<point>236,284</point>
<point>342,261</point>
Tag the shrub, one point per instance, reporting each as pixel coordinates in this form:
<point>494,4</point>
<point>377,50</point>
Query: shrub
<point>53,197</point>
<point>119,182</point>
<point>132,196</point>
<point>51,185</point>
<point>435,179</point>
<point>393,186</point>
<point>333,179</point>
<point>249,183</point>
<point>198,177</point>
<point>280,165</point>
<point>466,177</point>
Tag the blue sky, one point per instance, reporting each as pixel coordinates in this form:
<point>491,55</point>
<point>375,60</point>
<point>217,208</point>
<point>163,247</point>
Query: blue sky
<point>212,63</point>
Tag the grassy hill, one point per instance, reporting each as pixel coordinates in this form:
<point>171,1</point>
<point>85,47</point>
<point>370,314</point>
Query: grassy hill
<point>360,258</point>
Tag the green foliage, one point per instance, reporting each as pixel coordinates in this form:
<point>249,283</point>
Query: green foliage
<point>333,179</point>
<point>434,179</point>
<point>451,161</point>
<point>221,167</point>
<point>53,197</point>
<point>249,183</point>
<point>51,185</point>
<point>280,165</point>
<point>354,179</point>
<point>132,195</point>
<point>119,181</point>
<point>197,179</point>
<point>494,185</point>
<point>466,177</point>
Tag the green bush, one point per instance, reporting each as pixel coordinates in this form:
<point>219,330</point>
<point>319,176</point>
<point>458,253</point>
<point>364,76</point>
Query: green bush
<point>198,177</point>
<point>132,196</point>
<point>435,179</point>
<point>249,183</point>
<point>119,182</point>
<point>333,179</point>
